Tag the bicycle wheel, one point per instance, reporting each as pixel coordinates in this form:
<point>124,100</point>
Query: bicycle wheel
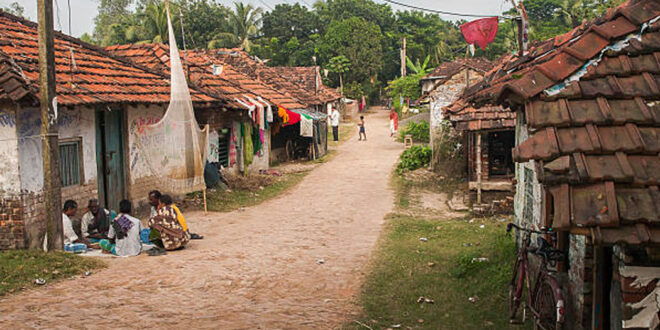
<point>516,291</point>
<point>545,304</point>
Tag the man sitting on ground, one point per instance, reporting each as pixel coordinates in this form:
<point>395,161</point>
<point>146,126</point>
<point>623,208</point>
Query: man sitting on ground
<point>70,238</point>
<point>124,233</point>
<point>95,222</point>
<point>166,231</point>
<point>154,199</point>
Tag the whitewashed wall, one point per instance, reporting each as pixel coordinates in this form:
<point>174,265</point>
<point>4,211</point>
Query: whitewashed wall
<point>138,119</point>
<point>522,134</point>
<point>9,171</point>
<point>76,122</point>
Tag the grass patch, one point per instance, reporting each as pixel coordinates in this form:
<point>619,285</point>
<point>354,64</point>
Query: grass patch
<point>346,132</point>
<point>223,201</point>
<point>400,273</point>
<point>20,268</point>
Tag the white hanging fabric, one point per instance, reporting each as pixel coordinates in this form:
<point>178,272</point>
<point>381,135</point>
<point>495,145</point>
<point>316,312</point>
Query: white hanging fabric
<point>175,148</point>
<point>269,110</point>
<point>306,126</point>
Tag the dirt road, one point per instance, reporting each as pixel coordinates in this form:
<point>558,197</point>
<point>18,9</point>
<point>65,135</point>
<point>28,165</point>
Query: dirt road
<point>256,269</point>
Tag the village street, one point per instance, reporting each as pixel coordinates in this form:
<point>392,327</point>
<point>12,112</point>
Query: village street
<point>256,268</point>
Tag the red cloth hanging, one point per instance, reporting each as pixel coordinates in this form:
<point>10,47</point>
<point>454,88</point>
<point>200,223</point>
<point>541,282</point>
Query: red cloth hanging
<point>480,32</point>
<point>288,117</point>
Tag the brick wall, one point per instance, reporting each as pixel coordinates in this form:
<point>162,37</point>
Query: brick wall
<point>579,284</point>
<point>34,215</point>
<point>11,223</point>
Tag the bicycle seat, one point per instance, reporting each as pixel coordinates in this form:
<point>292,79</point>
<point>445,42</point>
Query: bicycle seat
<point>546,250</point>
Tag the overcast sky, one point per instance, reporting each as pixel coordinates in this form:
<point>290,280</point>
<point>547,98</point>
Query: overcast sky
<point>84,11</point>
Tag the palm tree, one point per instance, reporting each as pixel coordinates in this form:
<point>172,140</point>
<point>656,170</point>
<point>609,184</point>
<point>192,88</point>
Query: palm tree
<point>155,21</point>
<point>244,23</point>
<point>573,12</point>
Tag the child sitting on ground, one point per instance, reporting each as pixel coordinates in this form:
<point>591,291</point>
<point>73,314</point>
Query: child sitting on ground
<point>362,130</point>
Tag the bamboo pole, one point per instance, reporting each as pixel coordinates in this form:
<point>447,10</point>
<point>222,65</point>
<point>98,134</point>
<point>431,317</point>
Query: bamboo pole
<point>206,210</point>
<point>478,168</point>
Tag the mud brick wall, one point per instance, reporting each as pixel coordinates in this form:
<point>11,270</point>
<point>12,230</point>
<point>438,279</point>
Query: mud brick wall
<point>11,223</point>
<point>34,218</point>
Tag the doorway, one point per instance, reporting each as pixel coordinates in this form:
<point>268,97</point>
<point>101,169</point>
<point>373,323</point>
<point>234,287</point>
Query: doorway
<point>110,157</point>
<point>500,160</point>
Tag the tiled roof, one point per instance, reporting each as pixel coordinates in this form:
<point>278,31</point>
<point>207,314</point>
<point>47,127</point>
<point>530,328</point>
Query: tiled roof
<point>447,69</point>
<point>256,69</point>
<point>229,84</point>
<point>93,76</point>
<point>309,78</point>
<point>597,137</point>
<point>487,117</point>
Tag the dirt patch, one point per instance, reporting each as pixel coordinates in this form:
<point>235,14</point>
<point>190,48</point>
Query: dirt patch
<point>257,268</point>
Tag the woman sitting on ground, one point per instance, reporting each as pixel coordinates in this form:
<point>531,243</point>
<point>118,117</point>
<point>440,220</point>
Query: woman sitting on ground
<point>166,231</point>
<point>124,233</point>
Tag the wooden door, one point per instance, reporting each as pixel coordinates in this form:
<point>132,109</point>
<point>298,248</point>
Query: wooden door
<point>110,157</point>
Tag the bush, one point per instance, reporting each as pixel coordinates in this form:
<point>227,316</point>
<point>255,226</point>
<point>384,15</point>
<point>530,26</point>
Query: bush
<point>414,158</point>
<point>420,132</point>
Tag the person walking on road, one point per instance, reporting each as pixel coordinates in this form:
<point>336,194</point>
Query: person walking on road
<point>363,132</point>
<point>334,122</point>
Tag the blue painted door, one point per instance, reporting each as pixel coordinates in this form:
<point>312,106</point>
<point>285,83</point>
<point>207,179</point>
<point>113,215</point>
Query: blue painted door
<point>110,157</point>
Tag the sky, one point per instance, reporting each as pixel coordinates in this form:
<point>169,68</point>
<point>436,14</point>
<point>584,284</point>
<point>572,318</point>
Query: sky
<point>84,11</point>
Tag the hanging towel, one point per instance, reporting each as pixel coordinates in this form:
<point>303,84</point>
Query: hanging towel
<point>232,146</point>
<point>283,114</point>
<point>256,141</point>
<point>248,146</point>
<point>306,126</point>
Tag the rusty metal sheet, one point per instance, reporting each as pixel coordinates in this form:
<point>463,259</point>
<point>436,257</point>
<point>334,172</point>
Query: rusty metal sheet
<point>637,205</point>
<point>594,205</point>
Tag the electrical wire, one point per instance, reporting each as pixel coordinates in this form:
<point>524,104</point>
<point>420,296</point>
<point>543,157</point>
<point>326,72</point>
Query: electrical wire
<point>440,11</point>
<point>266,4</point>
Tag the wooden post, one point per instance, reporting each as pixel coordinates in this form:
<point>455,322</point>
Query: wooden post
<point>206,210</point>
<point>48,104</point>
<point>478,168</point>
<point>403,56</point>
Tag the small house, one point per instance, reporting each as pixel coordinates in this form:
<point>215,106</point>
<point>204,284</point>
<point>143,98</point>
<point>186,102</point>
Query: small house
<point>103,102</point>
<point>588,157</point>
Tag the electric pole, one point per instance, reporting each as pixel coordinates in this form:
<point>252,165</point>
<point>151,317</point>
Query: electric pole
<point>50,148</point>
<point>403,56</point>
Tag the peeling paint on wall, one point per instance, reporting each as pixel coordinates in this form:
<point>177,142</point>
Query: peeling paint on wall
<point>9,176</point>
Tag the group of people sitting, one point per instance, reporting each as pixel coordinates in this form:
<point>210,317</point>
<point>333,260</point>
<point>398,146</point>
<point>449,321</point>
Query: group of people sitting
<point>122,234</point>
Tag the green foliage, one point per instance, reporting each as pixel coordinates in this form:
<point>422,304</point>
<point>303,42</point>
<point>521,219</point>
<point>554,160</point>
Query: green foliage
<point>407,86</point>
<point>339,64</point>
<point>15,9</point>
<point>353,90</point>
<point>413,158</point>
<point>417,67</point>
<point>420,131</point>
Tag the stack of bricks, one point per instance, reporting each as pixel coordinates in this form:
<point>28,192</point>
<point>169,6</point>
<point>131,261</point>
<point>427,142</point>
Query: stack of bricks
<point>11,223</point>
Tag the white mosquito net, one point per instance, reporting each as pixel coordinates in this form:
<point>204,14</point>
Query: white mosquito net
<point>174,148</point>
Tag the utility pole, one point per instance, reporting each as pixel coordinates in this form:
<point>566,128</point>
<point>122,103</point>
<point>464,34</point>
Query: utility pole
<point>521,22</point>
<point>403,56</point>
<point>50,148</point>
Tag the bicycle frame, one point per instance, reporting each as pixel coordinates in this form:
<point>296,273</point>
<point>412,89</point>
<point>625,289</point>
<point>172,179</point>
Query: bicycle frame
<point>541,277</point>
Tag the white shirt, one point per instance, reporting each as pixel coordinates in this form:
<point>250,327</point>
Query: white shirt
<point>130,245</point>
<point>334,118</point>
<point>67,228</point>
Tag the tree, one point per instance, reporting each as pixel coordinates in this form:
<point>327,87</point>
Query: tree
<point>244,22</point>
<point>418,68</point>
<point>110,22</point>
<point>154,19</point>
<point>15,9</point>
<point>339,65</point>
<point>359,41</point>
<point>203,21</point>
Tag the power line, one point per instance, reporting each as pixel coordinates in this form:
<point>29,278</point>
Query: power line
<point>265,4</point>
<point>438,11</point>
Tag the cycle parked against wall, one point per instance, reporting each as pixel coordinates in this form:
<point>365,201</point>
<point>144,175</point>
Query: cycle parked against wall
<point>544,300</point>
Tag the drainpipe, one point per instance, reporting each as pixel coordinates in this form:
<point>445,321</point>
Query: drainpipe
<point>479,168</point>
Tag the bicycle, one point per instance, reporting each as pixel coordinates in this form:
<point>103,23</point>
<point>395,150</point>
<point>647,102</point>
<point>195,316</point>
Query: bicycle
<point>545,300</point>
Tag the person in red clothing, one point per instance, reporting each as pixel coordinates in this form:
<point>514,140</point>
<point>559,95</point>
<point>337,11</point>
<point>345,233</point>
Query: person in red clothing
<point>394,122</point>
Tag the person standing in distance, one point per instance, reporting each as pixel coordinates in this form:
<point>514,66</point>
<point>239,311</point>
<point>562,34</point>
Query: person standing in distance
<point>334,122</point>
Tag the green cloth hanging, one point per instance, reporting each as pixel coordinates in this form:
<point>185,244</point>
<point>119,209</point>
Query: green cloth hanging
<point>248,152</point>
<point>256,140</point>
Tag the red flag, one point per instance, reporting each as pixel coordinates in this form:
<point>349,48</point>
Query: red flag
<point>480,32</point>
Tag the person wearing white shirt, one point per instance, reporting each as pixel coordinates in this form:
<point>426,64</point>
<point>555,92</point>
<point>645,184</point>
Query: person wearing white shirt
<point>124,234</point>
<point>334,122</point>
<point>70,208</point>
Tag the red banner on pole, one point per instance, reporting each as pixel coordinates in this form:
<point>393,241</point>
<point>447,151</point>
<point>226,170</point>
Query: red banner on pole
<point>480,32</point>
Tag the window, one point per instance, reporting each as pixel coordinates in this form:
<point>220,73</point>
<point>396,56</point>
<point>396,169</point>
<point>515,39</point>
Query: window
<point>528,208</point>
<point>70,164</point>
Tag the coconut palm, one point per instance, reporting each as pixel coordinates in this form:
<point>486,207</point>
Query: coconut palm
<point>155,21</point>
<point>244,22</point>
